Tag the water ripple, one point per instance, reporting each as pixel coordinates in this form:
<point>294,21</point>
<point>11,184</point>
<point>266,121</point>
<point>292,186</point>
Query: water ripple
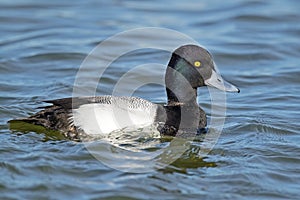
<point>254,43</point>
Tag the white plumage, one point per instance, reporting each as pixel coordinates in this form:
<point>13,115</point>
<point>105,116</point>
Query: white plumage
<point>118,113</point>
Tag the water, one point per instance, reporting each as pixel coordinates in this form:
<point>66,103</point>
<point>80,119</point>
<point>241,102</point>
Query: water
<point>256,46</point>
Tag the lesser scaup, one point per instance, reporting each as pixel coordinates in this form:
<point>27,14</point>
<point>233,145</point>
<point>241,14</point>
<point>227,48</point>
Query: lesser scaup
<point>190,67</point>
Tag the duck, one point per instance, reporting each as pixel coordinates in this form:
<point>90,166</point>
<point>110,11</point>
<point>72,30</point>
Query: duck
<point>190,67</point>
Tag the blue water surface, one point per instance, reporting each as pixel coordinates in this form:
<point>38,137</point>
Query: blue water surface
<point>256,46</point>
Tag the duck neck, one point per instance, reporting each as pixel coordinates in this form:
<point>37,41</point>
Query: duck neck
<point>179,90</point>
<point>182,97</point>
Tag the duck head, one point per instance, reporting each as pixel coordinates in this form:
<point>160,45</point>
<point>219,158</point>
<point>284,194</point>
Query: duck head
<point>196,65</point>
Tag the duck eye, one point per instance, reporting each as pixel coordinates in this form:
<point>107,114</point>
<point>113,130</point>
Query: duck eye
<point>197,63</point>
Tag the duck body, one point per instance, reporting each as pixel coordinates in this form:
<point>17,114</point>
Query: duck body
<point>190,67</point>
<point>77,117</point>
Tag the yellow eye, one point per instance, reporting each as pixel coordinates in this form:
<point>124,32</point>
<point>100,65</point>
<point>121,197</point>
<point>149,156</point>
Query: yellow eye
<point>197,63</point>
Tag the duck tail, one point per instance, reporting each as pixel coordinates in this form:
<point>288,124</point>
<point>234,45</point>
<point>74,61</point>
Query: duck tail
<point>34,121</point>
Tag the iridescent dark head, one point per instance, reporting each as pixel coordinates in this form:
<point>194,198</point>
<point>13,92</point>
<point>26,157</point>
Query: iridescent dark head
<point>197,66</point>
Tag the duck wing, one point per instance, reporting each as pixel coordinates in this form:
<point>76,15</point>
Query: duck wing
<point>93,115</point>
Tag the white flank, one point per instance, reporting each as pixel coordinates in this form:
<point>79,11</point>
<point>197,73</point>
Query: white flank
<point>102,119</point>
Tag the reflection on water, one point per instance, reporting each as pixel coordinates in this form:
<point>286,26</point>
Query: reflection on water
<point>255,45</point>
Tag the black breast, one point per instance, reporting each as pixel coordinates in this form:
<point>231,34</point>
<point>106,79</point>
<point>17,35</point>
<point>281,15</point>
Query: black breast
<point>187,118</point>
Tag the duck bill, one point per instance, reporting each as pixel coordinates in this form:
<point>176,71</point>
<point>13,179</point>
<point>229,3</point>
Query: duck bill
<point>218,82</point>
